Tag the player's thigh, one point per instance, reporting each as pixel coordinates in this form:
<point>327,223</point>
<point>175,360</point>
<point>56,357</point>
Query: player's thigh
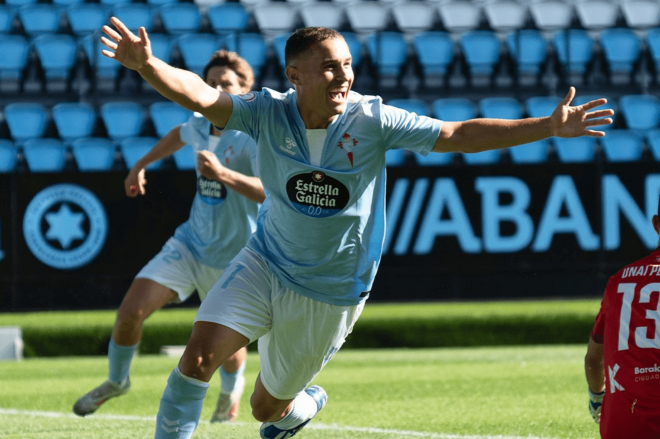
<point>174,267</point>
<point>143,298</point>
<point>305,335</point>
<point>240,299</point>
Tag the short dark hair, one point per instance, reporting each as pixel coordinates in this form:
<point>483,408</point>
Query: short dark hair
<point>302,39</point>
<point>233,61</point>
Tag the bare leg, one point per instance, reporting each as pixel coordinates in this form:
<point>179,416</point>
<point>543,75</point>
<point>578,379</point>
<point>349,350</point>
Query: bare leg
<point>265,407</point>
<point>143,298</point>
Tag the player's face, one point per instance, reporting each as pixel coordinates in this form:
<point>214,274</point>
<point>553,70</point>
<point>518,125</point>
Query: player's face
<point>225,79</point>
<point>325,76</point>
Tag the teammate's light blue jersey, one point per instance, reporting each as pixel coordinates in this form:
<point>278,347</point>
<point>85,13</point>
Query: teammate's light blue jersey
<point>321,228</point>
<point>221,220</point>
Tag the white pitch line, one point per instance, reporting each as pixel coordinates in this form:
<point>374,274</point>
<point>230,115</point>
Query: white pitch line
<point>331,427</point>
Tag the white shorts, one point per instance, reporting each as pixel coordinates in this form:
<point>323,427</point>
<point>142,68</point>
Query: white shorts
<point>176,268</point>
<point>297,335</point>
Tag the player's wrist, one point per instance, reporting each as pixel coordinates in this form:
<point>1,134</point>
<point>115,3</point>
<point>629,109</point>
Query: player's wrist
<point>595,395</point>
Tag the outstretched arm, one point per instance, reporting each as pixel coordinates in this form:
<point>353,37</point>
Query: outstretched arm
<point>478,135</point>
<point>135,182</point>
<point>181,86</point>
<point>210,167</point>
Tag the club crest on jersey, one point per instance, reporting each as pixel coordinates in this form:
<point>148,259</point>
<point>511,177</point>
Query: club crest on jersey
<point>347,144</point>
<point>316,194</point>
<point>211,191</point>
<point>247,97</point>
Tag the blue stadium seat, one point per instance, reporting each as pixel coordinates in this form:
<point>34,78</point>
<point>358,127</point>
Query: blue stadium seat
<point>412,105</point>
<point>40,18</point>
<point>74,120</point>
<point>166,115</point>
<point>395,158</point>
<point>228,18</point>
<point>622,50</point>
<point>491,157</point>
<point>529,50</point>
<point>388,51</point>
<point>66,3</point>
<point>622,146</point>
<point>534,152</point>
<point>15,4</point>
<point>104,68</point>
<point>482,53</point>
<point>6,19</point>
<point>355,47</point>
<point>160,3</point>
<point>653,141</point>
<point>641,112</point>
<point>252,47</point>
<point>580,50</point>
<point>93,154</point>
<point>435,52</point>
<point>501,108</point>
<point>122,119</point>
<point>7,156</point>
<point>185,159</point>
<point>113,2</point>
<point>87,18</point>
<point>133,148</point>
<point>610,105</point>
<point>279,44</point>
<point>434,159</point>
<point>575,149</point>
<point>541,106</point>
<point>135,15</point>
<point>26,120</point>
<point>57,54</point>
<point>196,49</point>
<point>161,47</point>
<point>454,109</point>
<point>653,44</point>
<point>179,18</point>
<point>44,155</point>
<point>13,62</point>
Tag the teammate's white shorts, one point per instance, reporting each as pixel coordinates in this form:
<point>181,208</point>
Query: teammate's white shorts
<point>176,268</point>
<point>297,335</point>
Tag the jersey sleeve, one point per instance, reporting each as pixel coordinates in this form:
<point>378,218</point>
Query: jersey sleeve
<point>245,113</point>
<point>405,130</point>
<point>192,131</point>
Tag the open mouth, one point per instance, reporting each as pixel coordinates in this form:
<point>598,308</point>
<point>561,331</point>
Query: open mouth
<point>337,95</point>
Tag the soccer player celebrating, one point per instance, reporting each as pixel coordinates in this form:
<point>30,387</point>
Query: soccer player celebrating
<point>222,217</point>
<point>302,280</point>
<point>623,355</point>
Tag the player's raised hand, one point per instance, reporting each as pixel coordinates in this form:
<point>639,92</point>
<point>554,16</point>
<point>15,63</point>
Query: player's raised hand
<point>129,50</point>
<point>575,121</point>
<point>135,183</point>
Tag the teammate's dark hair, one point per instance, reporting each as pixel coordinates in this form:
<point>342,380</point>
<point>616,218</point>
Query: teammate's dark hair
<point>231,60</point>
<point>304,38</point>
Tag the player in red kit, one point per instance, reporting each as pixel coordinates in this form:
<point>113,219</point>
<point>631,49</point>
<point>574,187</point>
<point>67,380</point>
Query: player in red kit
<point>623,357</point>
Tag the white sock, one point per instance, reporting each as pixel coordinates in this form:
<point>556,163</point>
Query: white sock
<point>304,408</point>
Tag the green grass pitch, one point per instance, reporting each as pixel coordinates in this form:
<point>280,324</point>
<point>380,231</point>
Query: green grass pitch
<point>476,393</point>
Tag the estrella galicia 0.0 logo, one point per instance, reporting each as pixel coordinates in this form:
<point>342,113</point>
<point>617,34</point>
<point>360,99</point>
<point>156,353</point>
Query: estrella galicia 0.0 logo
<point>317,194</point>
<point>65,226</point>
<point>211,192</point>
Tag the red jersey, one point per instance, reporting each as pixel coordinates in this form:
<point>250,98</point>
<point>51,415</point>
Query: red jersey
<point>628,325</point>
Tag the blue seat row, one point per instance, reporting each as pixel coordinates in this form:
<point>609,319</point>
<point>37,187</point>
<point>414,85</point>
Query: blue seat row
<point>90,154</point>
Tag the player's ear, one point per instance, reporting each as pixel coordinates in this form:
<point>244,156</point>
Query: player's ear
<point>293,75</point>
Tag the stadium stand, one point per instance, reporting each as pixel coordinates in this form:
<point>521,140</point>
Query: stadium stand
<point>26,120</point>
<point>93,154</point>
<point>135,15</point>
<point>435,53</point>
<point>44,155</point>
<point>133,148</point>
<point>179,18</point>
<point>228,18</point>
<point>597,14</point>
<point>530,153</point>
<point>434,159</point>
<point>57,54</point>
<point>622,48</point>
<point>576,149</point>
<point>7,156</point>
<point>166,115</point>
<point>18,3</point>
<point>320,14</point>
<point>491,157</point>
<point>13,62</point>
<point>481,49</point>
<point>453,109</point>
<point>388,52</point>
<point>413,17</point>
<point>500,108</point>
<point>184,159</point>
<point>252,47</point>
<point>122,119</point>
<point>640,112</point>
<point>6,19</point>
<point>575,50</point>
<point>459,16</point>
<point>368,17</point>
<point>529,50</point>
<point>551,15</point>
<point>86,18</point>
<point>506,15</point>
<point>74,120</point>
<point>275,18</point>
<point>641,14</point>
<point>39,18</point>
<point>653,141</point>
<point>196,49</point>
<point>541,106</point>
<point>395,158</point>
<point>413,105</point>
<point>622,146</point>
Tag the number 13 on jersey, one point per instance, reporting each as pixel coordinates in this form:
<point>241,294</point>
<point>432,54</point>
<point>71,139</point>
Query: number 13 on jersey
<point>641,338</point>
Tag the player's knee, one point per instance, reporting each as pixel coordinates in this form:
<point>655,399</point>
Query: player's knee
<point>130,318</point>
<point>198,364</point>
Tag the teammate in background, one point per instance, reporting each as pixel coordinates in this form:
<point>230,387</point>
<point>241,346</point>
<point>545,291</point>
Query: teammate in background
<point>302,280</point>
<point>222,217</point>
<point>624,352</point>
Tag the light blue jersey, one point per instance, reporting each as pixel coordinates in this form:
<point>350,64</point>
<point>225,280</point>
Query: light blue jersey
<point>321,228</point>
<point>221,220</point>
